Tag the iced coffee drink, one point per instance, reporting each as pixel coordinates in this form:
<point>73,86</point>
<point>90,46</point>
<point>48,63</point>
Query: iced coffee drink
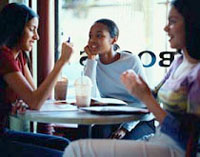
<point>61,89</point>
<point>83,91</point>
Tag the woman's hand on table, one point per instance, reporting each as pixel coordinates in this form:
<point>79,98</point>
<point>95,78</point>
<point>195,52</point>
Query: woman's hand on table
<point>119,133</point>
<point>18,107</point>
<point>136,85</point>
<point>89,53</point>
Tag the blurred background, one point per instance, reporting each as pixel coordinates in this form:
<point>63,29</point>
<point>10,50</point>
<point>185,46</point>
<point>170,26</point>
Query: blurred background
<point>140,22</point>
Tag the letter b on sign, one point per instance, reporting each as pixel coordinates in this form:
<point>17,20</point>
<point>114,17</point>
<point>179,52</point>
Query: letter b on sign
<point>166,58</point>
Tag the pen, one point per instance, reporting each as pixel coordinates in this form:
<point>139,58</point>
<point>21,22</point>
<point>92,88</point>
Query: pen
<point>68,40</point>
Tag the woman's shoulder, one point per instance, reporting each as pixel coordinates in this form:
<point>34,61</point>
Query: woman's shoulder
<point>6,54</point>
<point>195,73</point>
<point>128,55</point>
<point>7,61</point>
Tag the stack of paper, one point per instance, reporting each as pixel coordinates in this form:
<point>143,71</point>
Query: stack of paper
<point>107,102</point>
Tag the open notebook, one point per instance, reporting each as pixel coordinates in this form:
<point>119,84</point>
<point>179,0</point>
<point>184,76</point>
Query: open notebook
<point>70,105</point>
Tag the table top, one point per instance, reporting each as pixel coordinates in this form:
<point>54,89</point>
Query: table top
<point>77,116</point>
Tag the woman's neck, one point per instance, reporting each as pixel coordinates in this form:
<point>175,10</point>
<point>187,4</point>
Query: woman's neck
<point>185,67</point>
<point>109,57</point>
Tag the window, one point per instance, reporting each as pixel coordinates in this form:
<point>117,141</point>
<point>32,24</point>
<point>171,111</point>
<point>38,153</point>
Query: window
<point>140,22</point>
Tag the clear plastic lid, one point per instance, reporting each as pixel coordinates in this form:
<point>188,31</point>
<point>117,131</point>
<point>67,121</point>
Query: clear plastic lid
<point>83,81</point>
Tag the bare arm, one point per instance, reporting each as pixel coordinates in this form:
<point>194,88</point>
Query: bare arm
<point>29,77</point>
<point>138,87</point>
<point>36,97</point>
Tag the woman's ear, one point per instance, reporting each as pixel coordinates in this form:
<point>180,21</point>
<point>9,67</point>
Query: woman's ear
<point>114,40</point>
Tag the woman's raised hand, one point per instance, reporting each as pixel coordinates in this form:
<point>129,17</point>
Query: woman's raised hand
<point>66,52</point>
<point>89,53</point>
<point>136,85</point>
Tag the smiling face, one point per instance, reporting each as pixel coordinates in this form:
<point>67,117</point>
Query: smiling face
<point>176,29</point>
<point>100,41</point>
<point>29,35</point>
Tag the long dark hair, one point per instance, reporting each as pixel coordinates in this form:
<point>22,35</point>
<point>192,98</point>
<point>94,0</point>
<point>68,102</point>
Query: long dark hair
<point>190,10</point>
<point>112,29</point>
<point>13,19</point>
<point>190,129</point>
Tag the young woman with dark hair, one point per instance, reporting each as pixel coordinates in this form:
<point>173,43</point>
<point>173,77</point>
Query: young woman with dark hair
<point>179,94</point>
<point>18,32</point>
<point>104,66</point>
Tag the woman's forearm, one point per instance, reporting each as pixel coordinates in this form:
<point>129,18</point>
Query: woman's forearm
<point>45,89</point>
<point>155,108</point>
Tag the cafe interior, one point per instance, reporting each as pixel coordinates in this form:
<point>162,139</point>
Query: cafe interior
<point>141,24</point>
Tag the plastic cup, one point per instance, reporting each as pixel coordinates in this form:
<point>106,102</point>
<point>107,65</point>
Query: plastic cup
<point>61,89</point>
<point>83,87</point>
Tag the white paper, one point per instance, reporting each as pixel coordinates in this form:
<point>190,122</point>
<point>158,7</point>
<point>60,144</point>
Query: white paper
<point>109,101</point>
<point>57,106</point>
